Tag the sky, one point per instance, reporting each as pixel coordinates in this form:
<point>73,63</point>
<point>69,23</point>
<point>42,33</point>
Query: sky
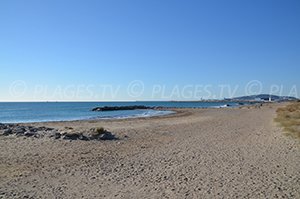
<point>117,50</point>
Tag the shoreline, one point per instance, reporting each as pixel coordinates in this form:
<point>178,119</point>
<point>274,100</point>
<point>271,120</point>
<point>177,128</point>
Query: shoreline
<point>176,111</point>
<point>37,112</point>
<point>173,109</point>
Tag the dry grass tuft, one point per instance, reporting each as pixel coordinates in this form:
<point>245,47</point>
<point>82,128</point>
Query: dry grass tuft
<point>97,131</point>
<point>289,118</point>
<point>100,130</point>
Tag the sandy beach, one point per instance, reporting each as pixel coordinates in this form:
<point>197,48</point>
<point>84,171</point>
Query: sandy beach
<point>196,153</point>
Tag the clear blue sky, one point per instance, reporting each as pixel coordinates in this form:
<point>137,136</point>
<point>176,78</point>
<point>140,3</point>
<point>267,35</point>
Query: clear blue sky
<point>53,46</point>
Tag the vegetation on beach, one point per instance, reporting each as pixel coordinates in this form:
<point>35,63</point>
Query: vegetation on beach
<point>289,118</point>
<point>100,131</point>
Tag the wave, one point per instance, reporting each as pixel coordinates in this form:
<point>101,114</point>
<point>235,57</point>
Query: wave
<point>150,113</point>
<point>221,106</point>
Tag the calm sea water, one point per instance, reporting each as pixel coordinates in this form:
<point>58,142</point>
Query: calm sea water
<point>22,112</point>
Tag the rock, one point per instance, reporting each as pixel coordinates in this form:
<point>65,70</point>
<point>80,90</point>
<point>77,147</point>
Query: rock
<point>120,108</point>
<point>39,132</point>
<point>32,129</point>
<point>82,137</point>
<point>1,132</point>
<point>7,132</point>
<point>100,134</point>
<point>29,133</point>
<point>75,136</point>
<point>42,128</point>
<point>11,125</point>
<point>72,136</point>
<point>19,130</point>
<point>62,133</point>
<point>57,135</point>
<point>2,126</point>
<point>107,136</point>
<point>54,134</point>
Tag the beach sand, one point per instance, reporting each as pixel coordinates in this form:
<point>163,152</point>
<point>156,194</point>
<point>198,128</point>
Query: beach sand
<point>197,153</point>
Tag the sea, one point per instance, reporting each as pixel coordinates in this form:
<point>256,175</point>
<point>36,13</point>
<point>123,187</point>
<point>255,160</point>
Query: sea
<point>27,112</point>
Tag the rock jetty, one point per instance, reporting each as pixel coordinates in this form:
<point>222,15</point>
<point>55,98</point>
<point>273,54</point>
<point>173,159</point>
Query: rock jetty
<point>121,108</point>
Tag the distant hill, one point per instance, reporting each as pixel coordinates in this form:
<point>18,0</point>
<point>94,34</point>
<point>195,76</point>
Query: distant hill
<point>264,97</point>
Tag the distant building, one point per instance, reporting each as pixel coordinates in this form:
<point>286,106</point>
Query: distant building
<point>264,99</point>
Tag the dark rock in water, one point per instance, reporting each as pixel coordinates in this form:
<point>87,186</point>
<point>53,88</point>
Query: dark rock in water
<point>120,108</point>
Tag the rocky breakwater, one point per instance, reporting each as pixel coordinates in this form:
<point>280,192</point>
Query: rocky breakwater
<point>67,133</point>
<point>121,108</point>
